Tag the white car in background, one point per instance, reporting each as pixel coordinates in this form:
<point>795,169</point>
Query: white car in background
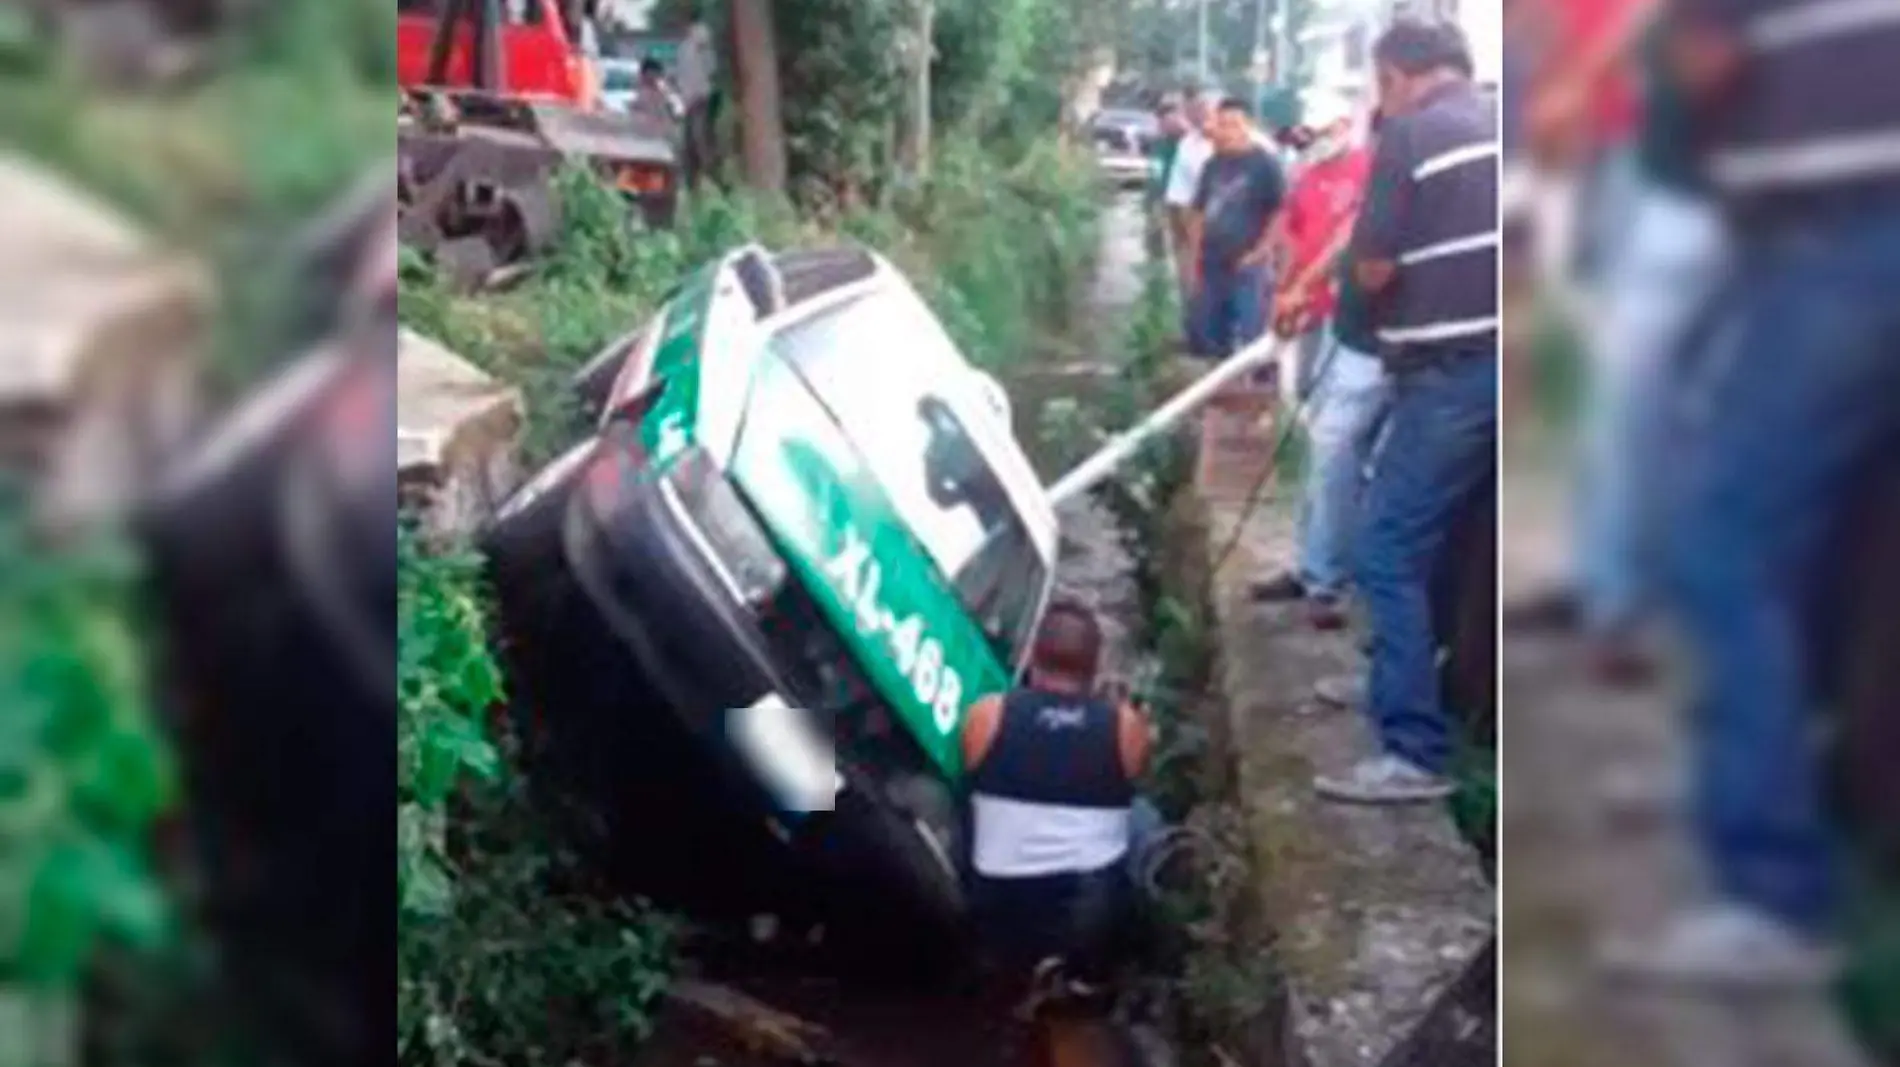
<point>619,82</point>
<point>1123,140</point>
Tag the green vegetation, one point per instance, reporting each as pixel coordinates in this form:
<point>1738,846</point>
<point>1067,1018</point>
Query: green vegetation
<point>502,947</point>
<point>1871,986</point>
<point>995,247</point>
<point>231,169</point>
<point>83,774</point>
<point>1220,978</point>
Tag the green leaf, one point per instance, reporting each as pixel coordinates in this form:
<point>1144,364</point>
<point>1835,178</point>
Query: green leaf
<point>126,782</point>
<point>426,889</point>
<point>61,918</point>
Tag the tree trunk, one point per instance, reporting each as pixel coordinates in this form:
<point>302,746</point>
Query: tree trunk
<point>762,136</point>
<point>915,151</point>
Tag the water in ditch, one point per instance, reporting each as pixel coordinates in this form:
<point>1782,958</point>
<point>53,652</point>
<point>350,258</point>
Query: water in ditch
<point>876,1025</point>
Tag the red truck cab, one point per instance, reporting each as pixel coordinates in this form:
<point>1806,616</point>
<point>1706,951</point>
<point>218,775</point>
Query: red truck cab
<point>540,59</point>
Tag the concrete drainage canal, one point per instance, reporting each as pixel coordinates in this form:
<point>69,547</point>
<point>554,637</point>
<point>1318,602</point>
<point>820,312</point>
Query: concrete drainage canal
<point>786,962</point>
<point>769,989</point>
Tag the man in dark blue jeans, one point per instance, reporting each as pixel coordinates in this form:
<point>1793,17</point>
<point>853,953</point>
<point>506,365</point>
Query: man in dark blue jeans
<point>1230,236</point>
<point>1425,248</point>
<point>1794,387</point>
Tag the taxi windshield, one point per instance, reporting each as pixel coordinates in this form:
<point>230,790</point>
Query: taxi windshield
<point>883,369</point>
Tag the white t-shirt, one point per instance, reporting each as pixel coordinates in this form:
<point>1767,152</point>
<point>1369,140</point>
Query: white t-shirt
<point>693,70</point>
<point>1184,178</point>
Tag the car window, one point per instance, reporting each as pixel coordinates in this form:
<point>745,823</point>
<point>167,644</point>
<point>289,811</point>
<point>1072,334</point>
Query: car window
<point>877,363</point>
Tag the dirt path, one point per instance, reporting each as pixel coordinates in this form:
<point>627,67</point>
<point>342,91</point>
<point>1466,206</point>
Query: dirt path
<point>1593,846</point>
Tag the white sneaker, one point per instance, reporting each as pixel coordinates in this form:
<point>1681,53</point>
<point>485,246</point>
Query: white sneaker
<point>1725,945</point>
<point>1347,691</point>
<point>1384,780</point>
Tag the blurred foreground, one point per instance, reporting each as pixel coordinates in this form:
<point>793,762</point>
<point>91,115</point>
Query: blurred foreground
<point>1703,241</point>
<point>196,434</point>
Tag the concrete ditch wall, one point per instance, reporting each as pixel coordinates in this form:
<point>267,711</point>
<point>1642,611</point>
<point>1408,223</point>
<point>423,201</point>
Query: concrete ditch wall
<point>1376,910</point>
<point>457,435</point>
<point>102,331</point>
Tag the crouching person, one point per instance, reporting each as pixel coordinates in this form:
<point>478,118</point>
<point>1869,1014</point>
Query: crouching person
<point>1056,824</point>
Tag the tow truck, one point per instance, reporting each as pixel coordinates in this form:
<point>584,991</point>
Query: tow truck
<point>496,98</point>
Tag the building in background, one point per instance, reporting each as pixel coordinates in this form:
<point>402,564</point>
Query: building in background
<point>1337,41</point>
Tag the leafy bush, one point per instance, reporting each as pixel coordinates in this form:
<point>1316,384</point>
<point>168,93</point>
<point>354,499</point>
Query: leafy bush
<point>84,775</point>
<point>83,771</point>
<point>499,954</point>
<point>842,62</point>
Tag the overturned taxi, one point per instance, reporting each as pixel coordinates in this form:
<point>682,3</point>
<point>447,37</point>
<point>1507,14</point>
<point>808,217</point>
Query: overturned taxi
<point>742,619</point>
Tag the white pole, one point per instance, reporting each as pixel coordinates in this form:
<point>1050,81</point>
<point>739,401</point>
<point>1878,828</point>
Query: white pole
<point>1201,33</point>
<point>1260,52</point>
<point>1092,470</point>
<point>1283,43</point>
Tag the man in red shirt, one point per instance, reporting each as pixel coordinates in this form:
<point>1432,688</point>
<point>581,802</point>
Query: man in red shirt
<point>1337,369</point>
<point>1327,188</point>
<point>1585,103</point>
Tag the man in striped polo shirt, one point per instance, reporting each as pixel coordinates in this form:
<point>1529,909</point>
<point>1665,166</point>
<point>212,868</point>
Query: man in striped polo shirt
<point>1793,389</point>
<point>1425,250</point>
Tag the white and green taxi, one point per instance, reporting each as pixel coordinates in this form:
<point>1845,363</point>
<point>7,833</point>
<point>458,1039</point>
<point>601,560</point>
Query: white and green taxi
<point>758,598</point>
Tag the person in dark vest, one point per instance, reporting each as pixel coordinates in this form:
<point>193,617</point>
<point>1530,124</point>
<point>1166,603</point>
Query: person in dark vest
<point>1053,806</point>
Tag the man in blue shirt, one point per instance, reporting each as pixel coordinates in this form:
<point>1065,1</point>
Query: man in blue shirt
<point>1230,236</point>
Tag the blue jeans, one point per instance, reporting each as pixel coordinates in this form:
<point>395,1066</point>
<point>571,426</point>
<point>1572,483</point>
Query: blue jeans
<point>1440,443</point>
<point>1228,310</point>
<point>1349,399</point>
<point>1609,196</point>
<point>1798,386</point>
<point>1660,276</point>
